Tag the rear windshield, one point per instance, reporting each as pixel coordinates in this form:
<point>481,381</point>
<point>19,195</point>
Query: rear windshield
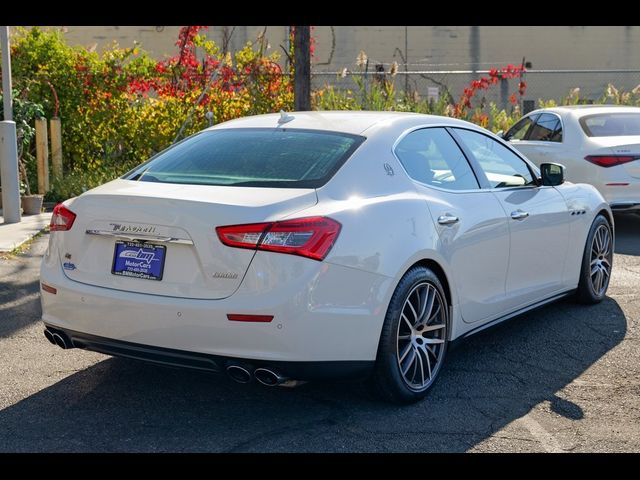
<point>611,124</point>
<point>251,157</point>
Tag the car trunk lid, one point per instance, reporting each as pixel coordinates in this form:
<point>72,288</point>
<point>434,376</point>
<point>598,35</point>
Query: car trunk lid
<point>180,218</point>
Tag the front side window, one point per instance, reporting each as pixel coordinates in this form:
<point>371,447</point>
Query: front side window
<point>251,157</point>
<point>502,167</point>
<point>548,128</point>
<point>431,156</point>
<point>519,130</point>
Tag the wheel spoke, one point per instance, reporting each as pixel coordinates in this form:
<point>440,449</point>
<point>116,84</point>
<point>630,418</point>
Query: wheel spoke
<point>431,351</point>
<point>594,269</point>
<point>433,341</point>
<point>607,242</point>
<point>404,317</point>
<point>605,271</point>
<point>421,367</point>
<point>412,358</point>
<point>404,337</point>
<point>423,302</point>
<point>406,351</point>
<point>426,356</point>
<point>598,282</point>
<point>433,315</point>
<point>413,310</point>
<point>433,327</point>
<point>431,300</point>
<point>415,367</point>
<point>596,242</point>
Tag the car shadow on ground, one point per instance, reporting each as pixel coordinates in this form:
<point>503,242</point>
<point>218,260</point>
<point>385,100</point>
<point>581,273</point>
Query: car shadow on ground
<point>627,234</point>
<point>490,380</point>
<point>18,298</point>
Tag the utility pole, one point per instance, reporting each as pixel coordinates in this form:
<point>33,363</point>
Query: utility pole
<point>302,68</point>
<point>8,140</point>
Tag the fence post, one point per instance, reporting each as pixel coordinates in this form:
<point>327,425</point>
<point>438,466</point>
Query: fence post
<point>504,93</point>
<point>56,147</point>
<point>302,68</point>
<point>42,155</point>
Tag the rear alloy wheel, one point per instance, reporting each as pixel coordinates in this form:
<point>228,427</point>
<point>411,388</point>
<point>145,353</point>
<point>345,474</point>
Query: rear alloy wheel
<point>596,262</point>
<point>413,342</point>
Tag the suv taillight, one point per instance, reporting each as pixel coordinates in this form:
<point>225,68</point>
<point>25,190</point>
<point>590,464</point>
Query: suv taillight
<point>310,237</point>
<point>610,160</point>
<point>62,219</point>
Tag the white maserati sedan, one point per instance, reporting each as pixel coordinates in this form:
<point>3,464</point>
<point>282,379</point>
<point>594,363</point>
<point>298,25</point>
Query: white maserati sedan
<point>598,144</point>
<point>310,245</point>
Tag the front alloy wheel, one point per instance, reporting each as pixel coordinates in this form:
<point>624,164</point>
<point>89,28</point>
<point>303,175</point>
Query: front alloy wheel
<point>597,261</point>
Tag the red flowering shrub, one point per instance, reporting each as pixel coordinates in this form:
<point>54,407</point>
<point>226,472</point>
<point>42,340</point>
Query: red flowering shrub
<point>484,83</point>
<point>119,108</point>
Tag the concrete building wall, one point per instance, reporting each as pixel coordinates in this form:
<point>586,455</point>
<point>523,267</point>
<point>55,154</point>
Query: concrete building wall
<point>427,48</point>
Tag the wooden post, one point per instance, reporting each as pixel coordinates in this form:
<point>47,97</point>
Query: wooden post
<point>42,155</point>
<point>56,147</point>
<point>302,69</point>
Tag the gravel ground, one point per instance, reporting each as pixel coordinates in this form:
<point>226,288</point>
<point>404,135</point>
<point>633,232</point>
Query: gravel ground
<point>564,378</point>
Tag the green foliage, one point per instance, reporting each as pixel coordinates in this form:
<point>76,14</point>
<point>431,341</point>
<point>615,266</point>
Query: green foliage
<point>119,108</point>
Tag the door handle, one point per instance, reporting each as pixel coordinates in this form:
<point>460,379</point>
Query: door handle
<point>519,215</point>
<point>447,219</point>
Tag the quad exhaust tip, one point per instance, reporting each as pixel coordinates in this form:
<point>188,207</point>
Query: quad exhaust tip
<point>239,373</point>
<point>269,377</point>
<point>49,336</point>
<point>58,339</point>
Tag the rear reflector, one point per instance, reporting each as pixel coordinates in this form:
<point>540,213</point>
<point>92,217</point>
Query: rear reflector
<point>62,219</point>
<point>610,160</point>
<point>310,237</point>
<point>235,317</point>
<point>617,184</point>
<point>48,288</point>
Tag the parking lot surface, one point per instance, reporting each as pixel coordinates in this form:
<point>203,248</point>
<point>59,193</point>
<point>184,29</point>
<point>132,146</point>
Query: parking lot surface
<point>563,378</point>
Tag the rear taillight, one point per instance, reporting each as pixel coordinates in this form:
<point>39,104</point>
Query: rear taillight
<point>610,160</point>
<point>62,219</point>
<point>310,237</point>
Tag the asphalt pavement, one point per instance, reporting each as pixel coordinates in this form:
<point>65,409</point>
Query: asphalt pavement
<point>564,378</point>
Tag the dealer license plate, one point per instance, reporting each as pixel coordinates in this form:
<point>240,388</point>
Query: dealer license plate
<point>139,260</point>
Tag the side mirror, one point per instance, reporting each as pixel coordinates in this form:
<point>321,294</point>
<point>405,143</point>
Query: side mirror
<point>552,174</point>
<point>500,133</point>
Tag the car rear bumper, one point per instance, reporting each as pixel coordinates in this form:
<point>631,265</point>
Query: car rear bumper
<point>321,312</point>
<point>212,363</point>
<point>621,195</point>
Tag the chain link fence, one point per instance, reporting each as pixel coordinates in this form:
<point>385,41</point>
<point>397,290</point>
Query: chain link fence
<point>541,84</point>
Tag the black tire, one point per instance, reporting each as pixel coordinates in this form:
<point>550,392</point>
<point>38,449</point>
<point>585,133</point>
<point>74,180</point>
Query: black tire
<point>586,292</point>
<point>387,380</point>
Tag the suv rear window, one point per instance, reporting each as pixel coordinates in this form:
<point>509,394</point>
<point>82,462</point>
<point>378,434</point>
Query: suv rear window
<point>251,157</point>
<point>611,124</point>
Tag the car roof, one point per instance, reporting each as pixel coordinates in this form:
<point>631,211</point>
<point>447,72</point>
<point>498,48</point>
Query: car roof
<point>581,110</point>
<point>347,121</point>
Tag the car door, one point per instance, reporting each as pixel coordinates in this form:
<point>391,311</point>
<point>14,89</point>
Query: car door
<point>543,139</point>
<point>538,219</point>
<point>472,225</point>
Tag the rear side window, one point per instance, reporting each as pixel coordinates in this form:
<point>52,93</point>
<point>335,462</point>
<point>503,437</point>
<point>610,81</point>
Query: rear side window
<point>251,157</point>
<point>431,156</point>
<point>548,128</point>
<point>611,124</point>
